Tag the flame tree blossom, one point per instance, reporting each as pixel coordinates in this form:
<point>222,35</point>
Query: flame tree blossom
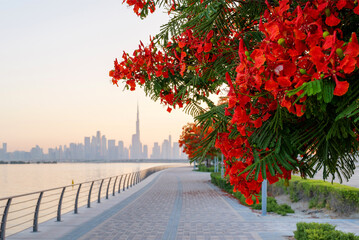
<point>289,70</point>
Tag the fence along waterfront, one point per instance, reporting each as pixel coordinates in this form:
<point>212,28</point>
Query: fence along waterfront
<point>24,211</point>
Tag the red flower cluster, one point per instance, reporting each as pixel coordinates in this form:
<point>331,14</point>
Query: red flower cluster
<point>302,46</point>
<point>187,54</point>
<point>299,46</point>
<point>138,5</point>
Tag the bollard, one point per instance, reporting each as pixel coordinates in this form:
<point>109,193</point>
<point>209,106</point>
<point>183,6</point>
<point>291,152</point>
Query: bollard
<point>264,197</point>
<point>222,169</point>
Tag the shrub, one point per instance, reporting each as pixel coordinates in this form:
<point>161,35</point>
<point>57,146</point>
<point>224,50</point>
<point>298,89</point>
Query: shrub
<point>203,168</point>
<point>272,205</point>
<point>320,231</point>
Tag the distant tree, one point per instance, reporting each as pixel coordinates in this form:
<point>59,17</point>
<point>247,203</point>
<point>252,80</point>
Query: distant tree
<point>192,139</point>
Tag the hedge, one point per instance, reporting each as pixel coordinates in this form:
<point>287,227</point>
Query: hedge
<point>341,198</point>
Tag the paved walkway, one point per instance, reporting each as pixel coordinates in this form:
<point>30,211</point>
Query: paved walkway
<point>176,203</point>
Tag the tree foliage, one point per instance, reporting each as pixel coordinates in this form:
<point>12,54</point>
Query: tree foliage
<point>289,69</point>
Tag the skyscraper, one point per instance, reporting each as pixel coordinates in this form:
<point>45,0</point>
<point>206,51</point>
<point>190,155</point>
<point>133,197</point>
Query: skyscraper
<point>156,151</point>
<point>175,151</point>
<point>98,145</point>
<point>136,147</point>
<point>4,148</point>
<point>145,152</point>
<point>112,150</point>
<point>87,143</point>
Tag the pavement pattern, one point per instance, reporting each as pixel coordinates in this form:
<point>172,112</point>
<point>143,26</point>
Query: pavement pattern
<point>181,204</point>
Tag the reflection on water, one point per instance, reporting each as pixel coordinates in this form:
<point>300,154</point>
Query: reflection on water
<point>18,179</point>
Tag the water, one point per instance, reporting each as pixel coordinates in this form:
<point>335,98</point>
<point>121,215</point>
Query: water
<point>18,179</point>
<point>27,178</point>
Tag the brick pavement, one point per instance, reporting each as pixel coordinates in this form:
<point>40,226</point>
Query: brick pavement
<point>181,204</point>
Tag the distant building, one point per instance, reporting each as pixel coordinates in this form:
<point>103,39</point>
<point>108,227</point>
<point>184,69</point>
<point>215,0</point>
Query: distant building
<point>156,151</point>
<point>4,148</point>
<point>175,151</point>
<point>136,146</point>
<point>98,145</point>
<point>3,152</point>
<point>103,148</point>
<point>121,150</point>
<point>166,150</point>
<point>112,150</point>
<point>87,143</point>
<point>36,154</point>
<point>145,152</point>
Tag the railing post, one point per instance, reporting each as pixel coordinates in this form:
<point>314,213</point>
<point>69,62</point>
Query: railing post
<point>60,205</point>
<point>77,199</point>
<point>136,178</point>
<point>119,184</point>
<point>108,187</point>
<point>114,186</point>
<point>128,180</point>
<point>139,176</point>
<point>4,218</point>
<point>89,196</point>
<point>133,179</point>
<point>99,192</point>
<point>124,182</point>
<point>36,214</point>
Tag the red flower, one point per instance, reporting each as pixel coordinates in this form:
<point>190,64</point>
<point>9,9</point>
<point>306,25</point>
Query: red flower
<point>207,47</point>
<point>353,46</point>
<point>341,87</point>
<point>348,64</point>
<point>332,20</point>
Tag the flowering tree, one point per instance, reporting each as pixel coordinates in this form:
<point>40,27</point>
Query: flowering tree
<point>290,69</point>
<point>192,138</point>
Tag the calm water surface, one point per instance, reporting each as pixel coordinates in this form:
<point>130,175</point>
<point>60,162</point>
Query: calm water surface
<point>24,178</point>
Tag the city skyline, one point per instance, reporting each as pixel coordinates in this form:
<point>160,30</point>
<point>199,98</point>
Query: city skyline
<point>98,147</point>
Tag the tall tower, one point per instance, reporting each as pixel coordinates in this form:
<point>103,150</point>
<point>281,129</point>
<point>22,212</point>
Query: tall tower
<point>136,147</point>
<point>138,123</point>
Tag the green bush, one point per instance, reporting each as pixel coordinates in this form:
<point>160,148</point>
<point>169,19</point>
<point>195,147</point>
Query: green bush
<point>342,198</point>
<point>320,231</point>
<point>272,205</point>
<point>203,168</point>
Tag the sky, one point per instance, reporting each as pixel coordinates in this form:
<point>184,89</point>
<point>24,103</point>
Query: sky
<point>54,85</point>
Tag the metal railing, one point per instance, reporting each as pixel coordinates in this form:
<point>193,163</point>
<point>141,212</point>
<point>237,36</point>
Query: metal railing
<point>20,212</point>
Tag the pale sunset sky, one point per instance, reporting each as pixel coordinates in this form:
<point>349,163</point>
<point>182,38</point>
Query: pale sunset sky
<point>55,56</point>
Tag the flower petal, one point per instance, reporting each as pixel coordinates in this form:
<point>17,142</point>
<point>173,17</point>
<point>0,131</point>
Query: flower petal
<point>332,20</point>
<point>341,88</point>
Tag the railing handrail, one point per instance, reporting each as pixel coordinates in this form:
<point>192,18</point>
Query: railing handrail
<point>130,180</point>
<point>70,185</point>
